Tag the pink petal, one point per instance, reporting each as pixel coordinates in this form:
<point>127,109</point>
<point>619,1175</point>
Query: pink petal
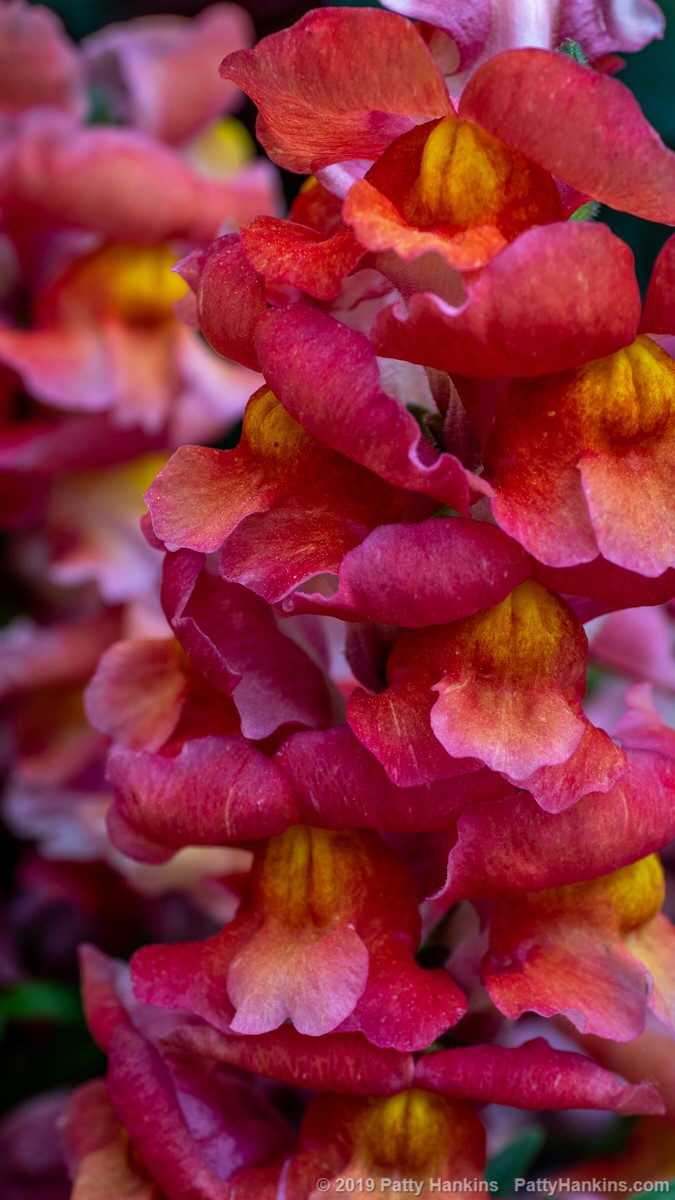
<point>118,182</point>
<point>653,944</point>
<point>604,28</point>
<point>420,1005</point>
<point>424,574</point>
<point>550,962</point>
<point>595,766</point>
<point>137,693</point>
<point>232,637</point>
<point>39,65</point>
<point>512,846</point>
<point>659,309</point>
<point>314,981</point>
<point>209,794</point>
<point>160,73</point>
<point>396,728</point>
<point>339,84</point>
<point>340,1062</point>
<point>646,543</point>
<point>606,586</point>
<point>181,1148</point>
<point>467,22</point>
<point>230,298</point>
<point>67,368</point>
<point>638,643</point>
<point>532,1076</point>
<point>339,785</point>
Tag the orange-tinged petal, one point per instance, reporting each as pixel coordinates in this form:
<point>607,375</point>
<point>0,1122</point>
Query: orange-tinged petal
<point>285,506</point>
<point>450,187</point>
<point>133,283</point>
<point>584,462</point>
<point>417,1133</point>
<point>509,683</point>
<point>576,949</point>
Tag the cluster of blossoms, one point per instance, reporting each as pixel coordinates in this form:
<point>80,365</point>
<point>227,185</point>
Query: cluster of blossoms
<point>115,160</point>
<point>117,156</point>
<point>367,688</point>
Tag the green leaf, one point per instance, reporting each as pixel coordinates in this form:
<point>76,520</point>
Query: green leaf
<point>515,1160</point>
<point>587,211</point>
<point>39,1000</point>
<point>573,50</point>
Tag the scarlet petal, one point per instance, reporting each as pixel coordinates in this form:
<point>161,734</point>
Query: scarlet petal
<point>195,474</point>
<point>314,111</point>
<point>421,1005</point>
<point>557,296</point>
<point>278,483</point>
<point>562,450</point>
<point>450,188</point>
<point>519,96</point>
<point>396,728</point>
<point>294,254</point>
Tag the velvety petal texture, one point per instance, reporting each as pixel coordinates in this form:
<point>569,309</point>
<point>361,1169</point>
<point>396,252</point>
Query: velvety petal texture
<point>338,784</point>
<point>424,574</point>
<point>327,378</point>
<point>313,111</point>
<point>586,440</point>
<point>512,846</point>
<point>230,297</point>
<point>325,939</point>
<point>233,793</point>
<point>279,491</point>
<point>451,188</point>
<point>533,1076</point>
<point>556,297</point>
<point>508,684</point>
<point>293,254</point>
<point>603,987</point>
<point>234,639</point>
<point>516,96</point>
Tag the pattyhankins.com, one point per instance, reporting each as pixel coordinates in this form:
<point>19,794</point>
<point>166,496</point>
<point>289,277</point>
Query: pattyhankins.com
<point>558,1186</point>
